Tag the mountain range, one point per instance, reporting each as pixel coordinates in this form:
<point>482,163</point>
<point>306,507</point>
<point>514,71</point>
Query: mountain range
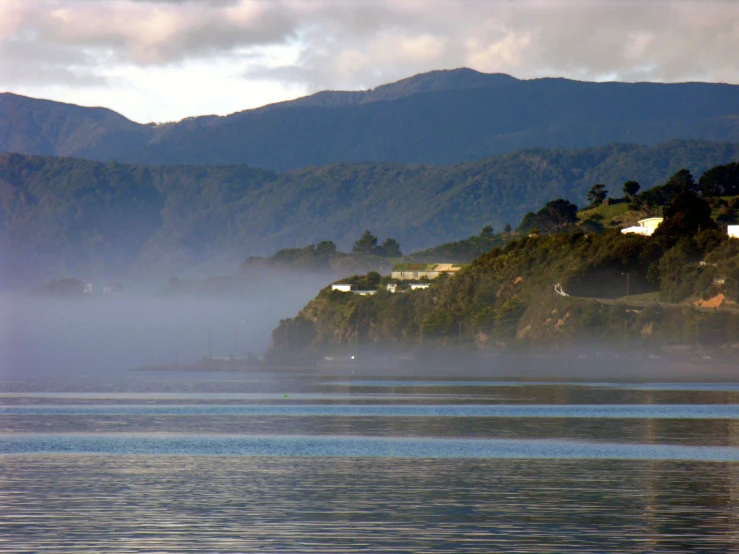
<point>442,117</point>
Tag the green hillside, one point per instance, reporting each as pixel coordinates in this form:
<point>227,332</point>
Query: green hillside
<point>63,216</point>
<point>560,291</point>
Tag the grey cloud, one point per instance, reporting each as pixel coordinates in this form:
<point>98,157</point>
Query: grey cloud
<point>620,39</point>
<point>363,43</point>
<point>24,63</point>
<point>147,33</point>
<point>161,33</point>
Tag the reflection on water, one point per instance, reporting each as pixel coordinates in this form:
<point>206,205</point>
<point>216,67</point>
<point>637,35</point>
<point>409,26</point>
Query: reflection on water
<point>355,447</point>
<point>212,504</point>
<point>221,466</point>
<point>448,383</point>
<point>607,411</point>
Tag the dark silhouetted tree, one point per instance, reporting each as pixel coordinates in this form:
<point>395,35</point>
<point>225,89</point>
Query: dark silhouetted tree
<point>686,215</point>
<point>631,188</point>
<point>597,194</point>
<point>373,278</point>
<point>366,244</point>
<point>558,215</point>
<point>722,180</point>
<point>682,180</point>
<point>390,249</point>
<point>325,249</point>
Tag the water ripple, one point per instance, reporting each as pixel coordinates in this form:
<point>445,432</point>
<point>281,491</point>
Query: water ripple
<point>626,411</point>
<point>332,446</point>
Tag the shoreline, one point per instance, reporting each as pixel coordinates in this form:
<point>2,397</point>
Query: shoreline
<point>506,368</point>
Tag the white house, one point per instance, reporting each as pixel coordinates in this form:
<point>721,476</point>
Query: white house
<point>343,287</point>
<point>644,226</point>
<point>415,286</point>
<point>733,231</point>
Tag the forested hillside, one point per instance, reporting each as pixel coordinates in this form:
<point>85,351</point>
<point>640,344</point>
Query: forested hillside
<point>435,118</point>
<point>626,293</point>
<point>62,216</point>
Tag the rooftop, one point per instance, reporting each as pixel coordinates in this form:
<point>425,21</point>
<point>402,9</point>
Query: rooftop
<point>428,267</point>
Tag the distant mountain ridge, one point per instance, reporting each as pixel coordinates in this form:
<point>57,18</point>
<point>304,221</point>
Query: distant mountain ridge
<point>440,117</point>
<point>433,81</point>
<point>65,216</point>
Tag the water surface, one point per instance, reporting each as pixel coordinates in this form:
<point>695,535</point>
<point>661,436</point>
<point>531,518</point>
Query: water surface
<point>225,463</point>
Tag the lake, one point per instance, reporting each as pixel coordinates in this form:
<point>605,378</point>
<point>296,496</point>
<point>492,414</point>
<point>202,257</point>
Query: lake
<point>229,462</point>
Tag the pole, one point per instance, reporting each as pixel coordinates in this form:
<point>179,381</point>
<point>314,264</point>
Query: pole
<point>460,332</point>
<point>209,350</point>
<point>628,285</point>
<point>236,342</point>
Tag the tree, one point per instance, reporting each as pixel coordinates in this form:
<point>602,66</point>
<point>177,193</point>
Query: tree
<point>722,180</point>
<point>507,229</point>
<point>631,188</point>
<point>681,181</point>
<point>325,249</point>
<point>373,279</point>
<point>558,215</point>
<point>366,244</point>
<point>487,232</point>
<point>597,194</point>
<point>390,249</point>
<point>686,215</point>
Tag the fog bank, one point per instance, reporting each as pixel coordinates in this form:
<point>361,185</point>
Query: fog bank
<point>104,334</point>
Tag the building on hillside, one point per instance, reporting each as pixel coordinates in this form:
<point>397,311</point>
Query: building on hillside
<point>417,286</point>
<point>733,231</point>
<point>644,226</point>
<point>343,287</point>
<point>423,271</point>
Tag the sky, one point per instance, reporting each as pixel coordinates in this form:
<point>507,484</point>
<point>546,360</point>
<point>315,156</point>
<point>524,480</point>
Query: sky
<point>164,60</point>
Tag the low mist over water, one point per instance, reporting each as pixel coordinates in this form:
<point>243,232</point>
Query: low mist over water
<point>98,334</point>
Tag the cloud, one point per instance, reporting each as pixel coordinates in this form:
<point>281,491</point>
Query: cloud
<point>350,44</point>
<point>365,44</point>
